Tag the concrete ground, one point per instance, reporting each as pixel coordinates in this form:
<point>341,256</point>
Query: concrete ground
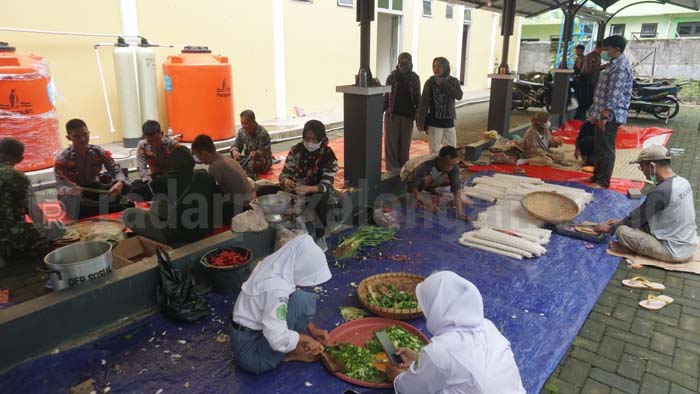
<point>623,348</point>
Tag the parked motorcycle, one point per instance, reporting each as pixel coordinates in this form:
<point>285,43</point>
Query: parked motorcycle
<point>533,93</point>
<point>660,100</point>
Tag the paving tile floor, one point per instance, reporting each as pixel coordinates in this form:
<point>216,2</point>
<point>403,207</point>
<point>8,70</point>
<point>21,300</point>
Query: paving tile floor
<point>623,348</point>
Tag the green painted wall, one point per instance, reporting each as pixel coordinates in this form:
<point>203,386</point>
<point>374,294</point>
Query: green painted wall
<point>666,26</point>
<point>540,32</point>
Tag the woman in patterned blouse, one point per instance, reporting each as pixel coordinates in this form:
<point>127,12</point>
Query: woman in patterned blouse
<point>310,170</point>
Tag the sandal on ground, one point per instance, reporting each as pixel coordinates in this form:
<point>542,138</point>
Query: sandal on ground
<point>640,282</point>
<point>654,303</point>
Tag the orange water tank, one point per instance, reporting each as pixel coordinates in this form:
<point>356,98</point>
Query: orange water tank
<point>26,108</point>
<point>199,94</point>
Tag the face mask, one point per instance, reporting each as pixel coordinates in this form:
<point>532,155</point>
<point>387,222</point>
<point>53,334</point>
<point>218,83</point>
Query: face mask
<point>311,147</point>
<point>605,56</point>
<point>548,125</point>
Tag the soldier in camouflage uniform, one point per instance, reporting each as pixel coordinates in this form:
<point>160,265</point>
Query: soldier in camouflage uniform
<point>17,236</point>
<point>252,146</point>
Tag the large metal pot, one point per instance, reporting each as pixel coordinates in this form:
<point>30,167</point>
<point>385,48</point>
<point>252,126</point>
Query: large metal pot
<point>78,263</point>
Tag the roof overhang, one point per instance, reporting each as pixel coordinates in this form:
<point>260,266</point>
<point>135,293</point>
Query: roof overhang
<point>530,8</point>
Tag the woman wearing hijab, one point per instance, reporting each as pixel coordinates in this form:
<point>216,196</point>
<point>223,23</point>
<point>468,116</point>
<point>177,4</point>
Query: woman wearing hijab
<point>538,141</point>
<point>181,209</point>
<point>467,354</point>
<point>271,321</point>
<point>437,113</point>
<point>400,106</point>
<point>310,170</point>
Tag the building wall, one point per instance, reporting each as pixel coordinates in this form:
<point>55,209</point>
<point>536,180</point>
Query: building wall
<point>321,47</point>
<point>541,32</point>
<point>71,59</point>
<point>322,52</point>
<point>545,27</point>
<point>227,32</point>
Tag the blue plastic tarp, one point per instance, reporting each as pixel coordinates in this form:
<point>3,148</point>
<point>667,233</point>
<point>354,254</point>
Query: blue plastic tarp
<point>540,304</point>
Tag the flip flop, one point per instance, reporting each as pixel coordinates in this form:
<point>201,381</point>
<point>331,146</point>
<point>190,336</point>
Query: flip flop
<point>640,282</point>
<point>654,303</point>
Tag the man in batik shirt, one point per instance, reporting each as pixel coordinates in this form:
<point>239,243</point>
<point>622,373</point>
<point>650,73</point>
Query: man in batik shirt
<point>82,188</point>
<point>610,107</point>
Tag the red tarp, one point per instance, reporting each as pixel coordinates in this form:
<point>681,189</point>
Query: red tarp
<point>628,137</point>
<point>556,174</point>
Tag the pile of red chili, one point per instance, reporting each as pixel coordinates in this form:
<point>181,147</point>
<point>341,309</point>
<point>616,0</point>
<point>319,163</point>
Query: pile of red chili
<point>227,258</point>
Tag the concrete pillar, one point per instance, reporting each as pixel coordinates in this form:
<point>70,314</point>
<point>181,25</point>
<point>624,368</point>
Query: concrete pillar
<point>278,53</point>
<point>518,37</point>
<point>492,49</point>
<point>362,115</point>
<point>459,13</point>
<point>415,39</point>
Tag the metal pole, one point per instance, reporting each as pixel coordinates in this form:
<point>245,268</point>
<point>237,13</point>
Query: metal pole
<point>365,15</point>
<point>568,27</point>
<point>364,44</point>
<point>653,65</point>
<point>506,32</point>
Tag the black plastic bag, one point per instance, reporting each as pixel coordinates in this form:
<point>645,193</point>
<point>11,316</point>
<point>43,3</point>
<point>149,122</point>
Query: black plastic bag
<point>176,293</point>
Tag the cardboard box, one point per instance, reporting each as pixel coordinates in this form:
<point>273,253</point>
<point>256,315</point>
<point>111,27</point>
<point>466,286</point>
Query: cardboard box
<point>134,249</point>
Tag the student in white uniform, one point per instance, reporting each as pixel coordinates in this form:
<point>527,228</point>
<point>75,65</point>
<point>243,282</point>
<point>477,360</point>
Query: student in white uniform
<point>271,320</point>
<point>467,354</point>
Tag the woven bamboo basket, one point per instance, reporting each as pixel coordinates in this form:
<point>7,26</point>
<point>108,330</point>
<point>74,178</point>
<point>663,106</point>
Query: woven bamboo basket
<point>403,281</point>
<point>550,207</point>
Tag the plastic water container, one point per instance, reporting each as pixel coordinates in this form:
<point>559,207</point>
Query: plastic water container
<point>199,94</point>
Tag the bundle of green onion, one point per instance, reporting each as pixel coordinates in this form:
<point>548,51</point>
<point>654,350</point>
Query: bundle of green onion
<point>365,236</point>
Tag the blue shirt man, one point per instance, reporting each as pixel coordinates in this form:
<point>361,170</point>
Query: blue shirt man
<point>611,103</point>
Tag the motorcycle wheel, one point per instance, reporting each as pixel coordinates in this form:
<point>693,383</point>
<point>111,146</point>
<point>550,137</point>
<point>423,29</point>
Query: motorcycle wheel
<point>660,113</point>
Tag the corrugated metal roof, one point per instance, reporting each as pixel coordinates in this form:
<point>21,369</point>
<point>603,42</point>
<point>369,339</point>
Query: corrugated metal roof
<point>530,8</point>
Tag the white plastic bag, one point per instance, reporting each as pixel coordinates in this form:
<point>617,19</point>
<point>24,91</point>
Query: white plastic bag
<point>250,221</point>
<point>387,218</point>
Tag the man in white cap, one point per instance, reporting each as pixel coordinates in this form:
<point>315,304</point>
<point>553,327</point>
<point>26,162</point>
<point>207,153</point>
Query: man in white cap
<point>663,227</point>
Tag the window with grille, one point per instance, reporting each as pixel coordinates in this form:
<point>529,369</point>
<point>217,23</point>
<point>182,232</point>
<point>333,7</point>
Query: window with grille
<point>617,30</point>
<point>345,3</point>
<point>427,8</point>
<point>688,29</point>
<point>449,11</point>
<point>649,30</point>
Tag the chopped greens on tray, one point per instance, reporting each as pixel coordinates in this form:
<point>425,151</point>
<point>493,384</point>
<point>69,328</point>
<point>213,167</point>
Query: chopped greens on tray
<point>361,362</point>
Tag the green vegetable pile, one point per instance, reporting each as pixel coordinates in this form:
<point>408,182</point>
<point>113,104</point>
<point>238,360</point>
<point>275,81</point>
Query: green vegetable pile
<point>400,337</point>
<point>357,360</point>
<point>392,297</point>
<point>365,236</point>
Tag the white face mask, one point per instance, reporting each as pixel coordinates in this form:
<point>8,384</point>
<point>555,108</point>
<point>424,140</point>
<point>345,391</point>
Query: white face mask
<point>548,125</point>
<point>311,147</point>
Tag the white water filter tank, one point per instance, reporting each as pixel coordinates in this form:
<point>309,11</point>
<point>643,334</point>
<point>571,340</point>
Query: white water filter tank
<point>127,91</point>
<point>148,86</point>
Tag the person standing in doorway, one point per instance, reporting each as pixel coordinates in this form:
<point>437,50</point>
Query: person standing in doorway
<point>610,107</point>
<point>400,106</point>
<point>436,114</point>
